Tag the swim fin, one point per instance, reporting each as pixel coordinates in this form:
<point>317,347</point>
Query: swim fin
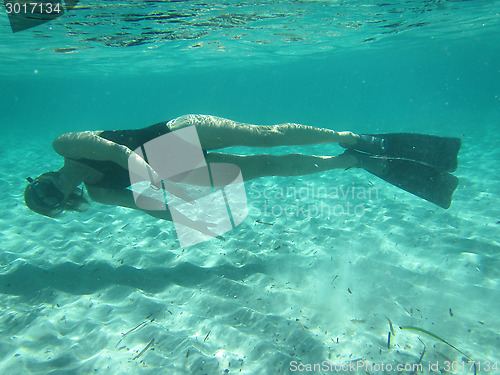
<point>438,152</point>
<point>419,179</point>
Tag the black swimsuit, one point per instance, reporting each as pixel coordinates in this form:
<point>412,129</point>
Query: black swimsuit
<point>113,175</point>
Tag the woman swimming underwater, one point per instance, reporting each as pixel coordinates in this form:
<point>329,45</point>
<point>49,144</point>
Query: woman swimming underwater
<point>417,163</point>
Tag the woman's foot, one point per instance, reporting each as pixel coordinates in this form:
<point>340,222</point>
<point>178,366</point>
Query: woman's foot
<point>374,164</point>
<point>349,139</point>
<point>367,143</point>
<point>349,159</point>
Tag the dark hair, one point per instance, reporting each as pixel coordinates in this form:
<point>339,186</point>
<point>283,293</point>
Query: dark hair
<point>43,196</point>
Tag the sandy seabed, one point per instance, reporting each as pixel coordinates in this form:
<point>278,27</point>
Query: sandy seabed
<point>110,290</point>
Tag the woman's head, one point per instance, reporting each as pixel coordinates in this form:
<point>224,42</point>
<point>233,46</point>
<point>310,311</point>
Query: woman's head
<point>45,195</point>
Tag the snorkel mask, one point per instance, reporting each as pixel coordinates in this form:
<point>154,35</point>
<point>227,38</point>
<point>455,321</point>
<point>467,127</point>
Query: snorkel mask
<point>43,196</point>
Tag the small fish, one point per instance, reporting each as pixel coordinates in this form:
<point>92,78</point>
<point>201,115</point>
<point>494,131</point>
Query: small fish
<point>389,340</point>
<point>263,222</point>
<point>144,350</point>
<point>206,337</point>
<point>135,328</point>
<point>335,278</point>
<point>65,50</point>
<point>419,361</point>
<point>390,326</point>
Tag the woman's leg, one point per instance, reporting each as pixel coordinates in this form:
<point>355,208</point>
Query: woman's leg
<point>254,166</point>
<point>216,132</point>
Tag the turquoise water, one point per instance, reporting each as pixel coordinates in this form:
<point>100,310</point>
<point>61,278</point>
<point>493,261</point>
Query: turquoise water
<point>279,288</point>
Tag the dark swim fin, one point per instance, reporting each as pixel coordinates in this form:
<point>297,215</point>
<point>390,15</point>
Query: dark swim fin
<point>438,152</point>
<point>416,178</point>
